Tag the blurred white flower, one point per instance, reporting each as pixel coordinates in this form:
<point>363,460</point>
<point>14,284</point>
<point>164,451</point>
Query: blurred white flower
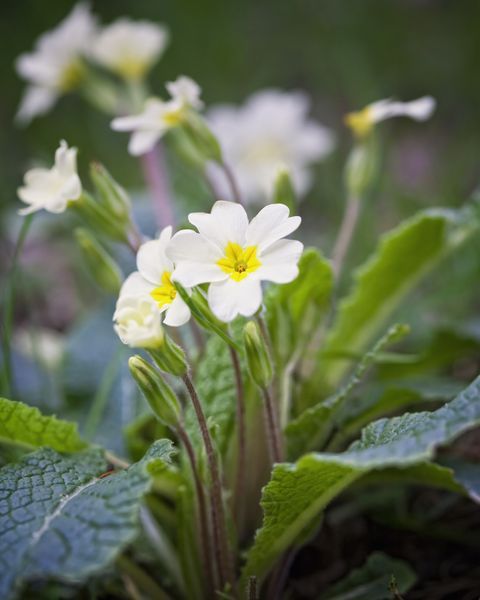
<point>234,256</point>
<point>153,279</point>
<point>55,66</point>
<point>363,121</point>
<point>159,116</point>
<point>129,48</point>
<point>46,345</point>
<point>52,189</point>
<point>270,132</point>
<point>138,322</point>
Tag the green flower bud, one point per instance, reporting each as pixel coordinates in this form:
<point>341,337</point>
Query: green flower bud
<point>170,357</point>
<point>258,358</point>
<point>361,167</point>
<point>201,138</point>
<point>110,193</point>
<point>99,218</point>
<point>283,192</point>
<point>160,396</point>
<point>100,264</point>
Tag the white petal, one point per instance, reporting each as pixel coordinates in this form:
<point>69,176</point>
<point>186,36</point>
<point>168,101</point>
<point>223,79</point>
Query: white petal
<point>152,261</point>
<point>135,285</point>
<point>36,101</point>
<point>226,223</point>
<point>129,123</point>
<point>229,298</point>
<point>194,258</point>
<point>177,313</point>
<point>420,109</point>
<point>280,262</point>
<point>142,142</point>
<point>271,224</point>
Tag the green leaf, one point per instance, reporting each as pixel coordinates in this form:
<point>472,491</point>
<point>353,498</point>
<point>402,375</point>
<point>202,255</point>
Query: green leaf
<point>215,383</point>
<point>59,519</point>
<point>298,492</point>
<point>310,430</point>
<point>402,258</point>
<point>26,426</point>
<point>295,310</point>
<point>372,580</point>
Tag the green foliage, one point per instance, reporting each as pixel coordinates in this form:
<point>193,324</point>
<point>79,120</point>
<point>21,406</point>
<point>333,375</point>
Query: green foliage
<point>403,256</point>
<point>26,426</point>
<point>295,310</point>
<point>298,492</point>
<point>372,581</point>
<point>60,519</point>
<point>312,427</point>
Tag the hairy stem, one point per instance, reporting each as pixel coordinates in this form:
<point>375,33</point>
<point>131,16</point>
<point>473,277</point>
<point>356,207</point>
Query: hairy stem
<point>239,491</point>
<point>274,434</point>
<point>205,536</point>
<point>155,171</point>
<point>224,558</point>
<point>345,234</point>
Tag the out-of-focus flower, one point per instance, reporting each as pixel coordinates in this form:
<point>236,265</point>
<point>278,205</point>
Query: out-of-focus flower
<point>153,279</point>
<point>270,132</point>
<point>159,116</point>
<point>363,121</point>
<point>55,67</point>
<point>129,48</point>
<point>234,256</point>
<point>43,344</point>
<point>138,322</point>
<point>52,189</point>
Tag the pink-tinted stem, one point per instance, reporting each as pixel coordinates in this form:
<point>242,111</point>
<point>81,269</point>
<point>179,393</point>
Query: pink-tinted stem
<point>155,172</point>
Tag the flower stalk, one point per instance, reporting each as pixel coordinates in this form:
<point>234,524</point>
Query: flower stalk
<point>155,172</point>
<point>223,552</point>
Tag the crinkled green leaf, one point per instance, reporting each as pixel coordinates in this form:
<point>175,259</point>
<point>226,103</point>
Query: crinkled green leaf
<point>216,387</point>
<point>60,519</point>
<point>25,425</point>
<point>298,492</point>
<point>403,256</point>
<point>465,473</point>
<point>372,580</point>
<point>310,429</point>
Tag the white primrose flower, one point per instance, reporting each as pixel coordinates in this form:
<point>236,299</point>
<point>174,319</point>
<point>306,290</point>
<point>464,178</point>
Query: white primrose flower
<point>153,280</point>
<point>159,116</point>
<point>138,322</point>
<point>52,189</point>
<point>363,121</point>
<point>235,256</point>
<point>129,48</point>
<point>270,132</point>
<point>55,66</point>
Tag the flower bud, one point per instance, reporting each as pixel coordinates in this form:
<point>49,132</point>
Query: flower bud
<point>283,190</point>
<point>110,193</point>
<point>160,396</point>
<point>100,264</point>
<point>170,357</point>
<point>100,218</point>
<point>201,137</point>
<point>361,167</point>
<point>258,358</point>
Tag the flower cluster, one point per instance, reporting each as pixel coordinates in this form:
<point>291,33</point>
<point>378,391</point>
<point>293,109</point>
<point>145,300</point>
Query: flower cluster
<point>270,132</point>
<point>159,116</point>
<point>59,62</point>
<point>227,252</point>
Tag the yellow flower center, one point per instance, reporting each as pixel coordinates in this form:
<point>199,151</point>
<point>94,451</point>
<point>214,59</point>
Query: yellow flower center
<point>239,262</point>
<point>361,122</point>
<point>72,76</point>
<point>174,117</point>
<point>130,67</point>
<point>164,294</point>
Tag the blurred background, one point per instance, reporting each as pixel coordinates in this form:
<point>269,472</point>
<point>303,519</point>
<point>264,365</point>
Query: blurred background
<point>343,54</point>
